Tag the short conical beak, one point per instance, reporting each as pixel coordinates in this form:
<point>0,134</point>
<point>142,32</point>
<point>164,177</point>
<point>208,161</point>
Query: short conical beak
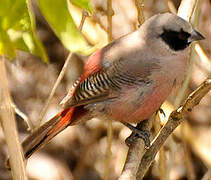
<point>195,36</point>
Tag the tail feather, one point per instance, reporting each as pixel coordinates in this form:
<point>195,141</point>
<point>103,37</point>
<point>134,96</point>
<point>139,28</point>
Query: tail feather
<point>46,132</point>
<point>51,128</point>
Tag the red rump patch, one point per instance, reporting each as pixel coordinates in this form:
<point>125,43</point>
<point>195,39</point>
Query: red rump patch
<point>64,112</point>
<point>92,65</point>
<point>66,118</point>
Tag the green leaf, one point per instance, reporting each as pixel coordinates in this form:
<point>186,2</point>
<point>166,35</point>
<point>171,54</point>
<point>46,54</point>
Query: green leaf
<point>84,4</point>
<point>38,48</point>
<point>57,14</point>
<point>17,39</point>
<point>4,7</point>
<point>6,46</point>
<point>17,23</point>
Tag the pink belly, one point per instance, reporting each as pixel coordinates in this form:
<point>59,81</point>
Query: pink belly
<point>134,108</point>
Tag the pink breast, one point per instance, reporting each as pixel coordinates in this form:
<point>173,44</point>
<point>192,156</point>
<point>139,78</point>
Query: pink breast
<point>132,109</point>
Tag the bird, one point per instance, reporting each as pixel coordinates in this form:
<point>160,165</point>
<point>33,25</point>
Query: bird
<point>127,80</point>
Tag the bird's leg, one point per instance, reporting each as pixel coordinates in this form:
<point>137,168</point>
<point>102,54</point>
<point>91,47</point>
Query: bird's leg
<point>161,111</point>
<point>143,134</point>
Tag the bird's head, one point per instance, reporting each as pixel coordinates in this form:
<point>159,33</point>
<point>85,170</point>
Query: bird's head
<point>169,33</point>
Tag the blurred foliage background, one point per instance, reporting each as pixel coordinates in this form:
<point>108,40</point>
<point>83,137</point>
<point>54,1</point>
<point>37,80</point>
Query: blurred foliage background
<point>38,37</point>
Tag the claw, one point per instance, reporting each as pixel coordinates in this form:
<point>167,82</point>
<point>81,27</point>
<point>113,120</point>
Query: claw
<point>129,139</point>
<point>161,111</point>
<point>143,134</point>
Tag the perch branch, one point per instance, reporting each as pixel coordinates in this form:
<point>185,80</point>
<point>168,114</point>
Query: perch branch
<point>174,120</point>
<point>135,153</point>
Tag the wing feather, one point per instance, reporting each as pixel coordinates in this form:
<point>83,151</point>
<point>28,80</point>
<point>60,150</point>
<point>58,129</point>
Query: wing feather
<point>96,87</point>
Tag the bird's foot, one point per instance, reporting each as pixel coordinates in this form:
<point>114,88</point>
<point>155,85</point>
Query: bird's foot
<point>161,111</point>
<point>143,134</point>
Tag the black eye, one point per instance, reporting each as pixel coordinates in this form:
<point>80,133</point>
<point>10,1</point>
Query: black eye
<point>176,40</point>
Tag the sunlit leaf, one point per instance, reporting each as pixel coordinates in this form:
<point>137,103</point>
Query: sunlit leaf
<point>38,48</point>
<point>17,39</point>
<point>57,15</point>
<point>6,45</point>
<point>17,22</point>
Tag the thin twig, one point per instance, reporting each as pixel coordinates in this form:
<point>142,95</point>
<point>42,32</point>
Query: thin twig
<point>108,150</point>
<point>162,155</point>
<point>140,10</point>
<point>16,70</point>
<point>110,13</point>
<point>174,120</point>
<point>61,75</point>
<point>191,175</point>
<point>8,123</point>
<point>24,117</point>
<point>203,57</point>
<point>162,164</point>
<point>109,127</point>
<point>171,6</point>
<point>194,12</point>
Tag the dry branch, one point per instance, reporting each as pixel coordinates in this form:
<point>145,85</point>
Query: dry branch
<point>174,120</point>
<point>140,9</point>
<point>135,154</point>
<point>139,159</point>
<point>110,13</point>
<point>8,123</point>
